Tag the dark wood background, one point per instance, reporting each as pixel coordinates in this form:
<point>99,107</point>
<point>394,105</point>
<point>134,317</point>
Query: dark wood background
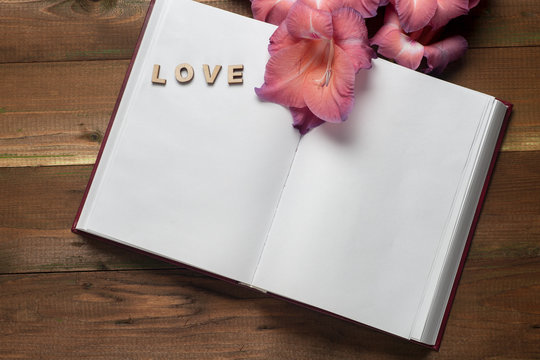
<point>63,296</point>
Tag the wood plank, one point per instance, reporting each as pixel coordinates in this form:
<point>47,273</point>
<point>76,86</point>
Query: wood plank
<point>500,23</point>
<point>69,30</point>
<point>37,208</point>
<point>178,314</point>
<point>39,204</point>
<point>63,294</point>
<point>65,120</point>
<point>512,75</point>
<point>58,30</point>
<point>71,103</point>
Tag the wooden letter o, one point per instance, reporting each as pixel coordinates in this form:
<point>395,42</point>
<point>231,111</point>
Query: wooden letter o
<point>178,73</point>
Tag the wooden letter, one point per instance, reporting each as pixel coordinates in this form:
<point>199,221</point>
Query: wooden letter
<point>155,76</point>
<point>211,78</point>
<point>235,74</point>
<point>178,72</point>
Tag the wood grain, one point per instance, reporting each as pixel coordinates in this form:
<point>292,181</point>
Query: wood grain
<point>500,23</point>
<point>70,107</point>
<point>60,30</point>
<point>178,314</point>
<point>65,296</point>
<point>36,212</point>
<point>69,30</point>
<point>72,102</point>
<point>510,74</point>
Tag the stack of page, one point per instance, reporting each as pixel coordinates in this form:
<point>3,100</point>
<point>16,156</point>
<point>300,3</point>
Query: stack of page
<point>367,220</point>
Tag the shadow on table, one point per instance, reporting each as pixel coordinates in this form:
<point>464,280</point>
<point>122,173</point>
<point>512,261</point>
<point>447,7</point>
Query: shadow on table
<point>270,325</point>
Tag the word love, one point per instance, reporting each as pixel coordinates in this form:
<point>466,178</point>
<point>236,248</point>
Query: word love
<point>184,73</point>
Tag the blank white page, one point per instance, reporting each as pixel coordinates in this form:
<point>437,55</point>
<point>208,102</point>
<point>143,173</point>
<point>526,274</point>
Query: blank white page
<point>367,202</point>
<point>194,172</point>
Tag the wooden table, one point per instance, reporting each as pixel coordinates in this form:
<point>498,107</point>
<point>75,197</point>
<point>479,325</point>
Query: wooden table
<point>63,296</point>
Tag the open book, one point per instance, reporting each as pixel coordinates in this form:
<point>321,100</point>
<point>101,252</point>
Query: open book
<point>367,220</point>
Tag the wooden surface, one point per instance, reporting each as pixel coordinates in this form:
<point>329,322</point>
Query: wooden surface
<point>63,296</point>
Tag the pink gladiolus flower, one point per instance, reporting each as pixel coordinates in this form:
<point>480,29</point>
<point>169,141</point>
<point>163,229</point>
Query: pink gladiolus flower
<point>275,11</point>
<point>409,49</point>
<point>473,3</point>
<point>315,55</point>
<point>366,8</point>
<point>271,11</point>
<point>415,15</point>
<point>304,120</point>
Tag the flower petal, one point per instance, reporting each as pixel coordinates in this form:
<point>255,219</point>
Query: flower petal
<point>272,11</point>
<point>261,8</point>
<point>286,70</point>
<point>348,23</point>
<point>391,17</point>
<point>304,120</point>
<point>307,23</point>
<point>364,54</point>
<point>441,53</point>
<point>281,39</point>
<point>326,5</point>
<point>415,14</point>
<point>401,48</point>
<point>359,53</point>
<point>367,8</point>
<point>334,101</point>
<point>473,3</point>
<point>350,34</point>
<point>396,45</point>
<point>279,12</point>
<point>447,10</point>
